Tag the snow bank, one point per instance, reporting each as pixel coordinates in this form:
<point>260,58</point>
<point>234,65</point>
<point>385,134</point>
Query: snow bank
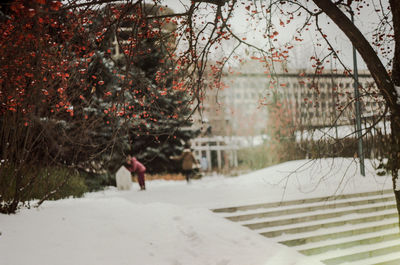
<point>116,231</point>
<point>170,223</point>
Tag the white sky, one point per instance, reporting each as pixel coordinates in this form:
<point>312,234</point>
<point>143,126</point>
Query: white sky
<point>300,54</point>
<point>302,51</point>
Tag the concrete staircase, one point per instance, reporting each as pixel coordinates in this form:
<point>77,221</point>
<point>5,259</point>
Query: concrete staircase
<point>360,228</point>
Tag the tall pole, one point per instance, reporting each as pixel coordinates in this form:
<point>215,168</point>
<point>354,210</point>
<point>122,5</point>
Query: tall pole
<point>334,100</point>
<point>358,108</point>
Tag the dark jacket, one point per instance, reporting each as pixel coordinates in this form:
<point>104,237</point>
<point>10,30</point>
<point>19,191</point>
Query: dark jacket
<point>187,158</point>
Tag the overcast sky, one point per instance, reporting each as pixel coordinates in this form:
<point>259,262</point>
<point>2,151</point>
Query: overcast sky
<point>302,51</point>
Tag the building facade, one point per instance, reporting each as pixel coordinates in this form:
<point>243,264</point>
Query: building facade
<point>313,100</point>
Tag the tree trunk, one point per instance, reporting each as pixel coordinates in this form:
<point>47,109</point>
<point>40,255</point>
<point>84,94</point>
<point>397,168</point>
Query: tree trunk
<point>395,110</point>
<point>395,157</point>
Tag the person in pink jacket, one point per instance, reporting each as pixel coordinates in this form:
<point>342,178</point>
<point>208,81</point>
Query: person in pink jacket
<point>134,166</point>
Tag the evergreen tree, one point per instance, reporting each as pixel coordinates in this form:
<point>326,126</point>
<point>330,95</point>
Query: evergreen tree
<point>145,90</point>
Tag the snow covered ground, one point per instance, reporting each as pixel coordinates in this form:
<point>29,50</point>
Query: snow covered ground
<point>170,223</point>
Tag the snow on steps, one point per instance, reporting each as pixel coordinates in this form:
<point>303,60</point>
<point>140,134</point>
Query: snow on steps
<point>359,228</point>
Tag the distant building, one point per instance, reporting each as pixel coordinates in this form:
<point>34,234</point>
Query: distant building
<point>323,99</point>
<point>314,100</point>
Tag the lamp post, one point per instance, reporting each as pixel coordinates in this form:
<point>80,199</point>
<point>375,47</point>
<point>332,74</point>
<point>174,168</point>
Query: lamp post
<point>358,108</point>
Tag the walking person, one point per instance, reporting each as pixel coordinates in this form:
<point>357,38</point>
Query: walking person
<point>134,166</point>
<point>188,161</point>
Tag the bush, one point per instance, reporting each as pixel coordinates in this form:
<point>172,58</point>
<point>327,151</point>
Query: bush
<point>254,158</point>
<point>96,182</point>
<point>268,154</point>
<point>50,180</point>
<point>50,183</point>
<point>271,153</point>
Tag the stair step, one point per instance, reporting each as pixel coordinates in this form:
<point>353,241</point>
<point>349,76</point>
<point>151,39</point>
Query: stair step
<point>388,259</point>
<point>298,202</point>
<point>334,205</point>
<point>341,243</point>
<point>359,253</point>
<point>338,222</point>
<point>389,197</point>
<point>331,235</point>
<point>395,261</point>
<point>353,229</point>
<point>323,216</point>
